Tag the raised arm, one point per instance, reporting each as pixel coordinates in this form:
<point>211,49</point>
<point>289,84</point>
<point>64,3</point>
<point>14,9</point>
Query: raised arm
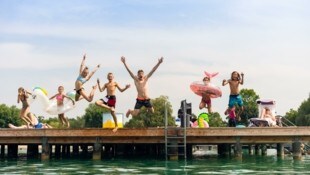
<point>82,64</point>
<point>155,67</point>
<point>242,78</point>
<point>225,82</point>
<point>93,72</point>
<point>101,89</point>
<point>122,89</point>
<point>123,59</point>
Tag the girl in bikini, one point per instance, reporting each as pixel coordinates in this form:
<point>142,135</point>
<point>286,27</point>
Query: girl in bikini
<point>22,97</point>
<point>82,78</point>
<point>60,103</point>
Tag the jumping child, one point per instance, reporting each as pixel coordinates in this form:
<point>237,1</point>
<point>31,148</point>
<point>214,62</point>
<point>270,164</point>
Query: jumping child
<point>235,97</point>
<point>109,101</point>
<point>82,78</point>
<point>22,97</point>
<point>206,99</point>
<point>60,103</point>
<point>140,80</point>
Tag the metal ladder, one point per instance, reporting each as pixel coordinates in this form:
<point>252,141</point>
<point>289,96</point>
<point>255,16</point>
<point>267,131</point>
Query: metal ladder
<point>175,137</point>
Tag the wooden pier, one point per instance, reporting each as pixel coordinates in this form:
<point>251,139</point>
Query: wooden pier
<point>70,142</point>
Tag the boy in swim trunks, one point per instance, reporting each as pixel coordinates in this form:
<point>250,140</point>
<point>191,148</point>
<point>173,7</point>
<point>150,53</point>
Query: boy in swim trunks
<point>140,80</point>
<point>83,77</point>
<point>235,97</point>
<point>109,100</point>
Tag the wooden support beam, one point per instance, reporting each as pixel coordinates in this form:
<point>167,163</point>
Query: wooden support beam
<point>45,155</point>
<point>280,150</point>
<point>296,150</point>
<point>97,149</point>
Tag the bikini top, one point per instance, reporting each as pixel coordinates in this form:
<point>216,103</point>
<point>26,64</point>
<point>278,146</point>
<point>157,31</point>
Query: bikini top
<point>81,79</point>
<point>59,97</point>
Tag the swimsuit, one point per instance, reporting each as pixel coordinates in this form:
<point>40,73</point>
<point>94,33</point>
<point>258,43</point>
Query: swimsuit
<point>206,101</point>
<point>81,79</point>
<point>59,97</point>
<point>38,126</point>
<point>110,100</point>
<point>143,102</point>
<point>235,99</point>
<point>24,103</point>
<point>79,91</point>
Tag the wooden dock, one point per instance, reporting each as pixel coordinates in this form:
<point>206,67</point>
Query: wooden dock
<point>148,140</point>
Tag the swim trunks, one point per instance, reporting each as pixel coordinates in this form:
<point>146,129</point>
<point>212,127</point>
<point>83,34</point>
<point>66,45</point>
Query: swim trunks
<point>206,101</point>
<point>109,100</point>
<point>235,99</point>
<point>143,102</point>
<point>38,126</point>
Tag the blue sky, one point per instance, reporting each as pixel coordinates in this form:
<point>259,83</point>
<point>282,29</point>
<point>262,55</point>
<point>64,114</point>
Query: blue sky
<point>42,43</point>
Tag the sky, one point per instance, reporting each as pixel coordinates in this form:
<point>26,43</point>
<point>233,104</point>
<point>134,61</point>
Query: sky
<point>42,44</point>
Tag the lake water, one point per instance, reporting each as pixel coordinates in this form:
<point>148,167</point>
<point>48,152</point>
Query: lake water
<point>250,164</point>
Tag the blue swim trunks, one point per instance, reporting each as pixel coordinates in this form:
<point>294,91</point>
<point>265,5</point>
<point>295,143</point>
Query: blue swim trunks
<point>38,126</point>
<point>235,99</point>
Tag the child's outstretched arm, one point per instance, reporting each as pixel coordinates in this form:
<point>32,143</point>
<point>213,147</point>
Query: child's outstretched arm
<point>101,89</point>
<point>225,82</point>
<point>53,96</point>
<point>82,64</point>
<point>123,59</point>
<point>122,89</point>
<point>155,67</point>
<point>93,72</point>
<point>242,78</point>
<point>73,102</point>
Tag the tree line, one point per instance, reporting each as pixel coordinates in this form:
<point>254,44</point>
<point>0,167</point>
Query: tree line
<point>93,115</point>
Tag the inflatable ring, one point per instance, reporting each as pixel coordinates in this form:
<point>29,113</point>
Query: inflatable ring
<point>199,87</point>
<point>50,106</point>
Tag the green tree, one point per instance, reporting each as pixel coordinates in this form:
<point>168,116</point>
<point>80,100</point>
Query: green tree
<point>78,122</point>
<point>147,119</point>
<point>303,114</point>
<point>215,120</point>
<point>9,115</point>
<point>291,116</point>
<point>249,98</point>
<point>93,116</point>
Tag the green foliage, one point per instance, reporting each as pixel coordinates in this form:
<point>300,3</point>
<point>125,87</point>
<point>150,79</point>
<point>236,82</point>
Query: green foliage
<point>9,115</point>
<point>250,110</point>
<point>215,120</point>
<point>147,119</point>
<point>291,116</point>
<point>93,116</point>
<point>303,114</point>
<point>79,122</point>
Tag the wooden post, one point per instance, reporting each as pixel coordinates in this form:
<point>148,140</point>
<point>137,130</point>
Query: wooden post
<point>238,149</point>
<point>32,151</point>
<point>45,149</point>
<point>97,150</point>
<point>75,150</point>
<point>12,151</point>
<point>296,150</point>
<point>57,151</point>
<point>2,151</point>
<point>223,149</point>
<point>280,150</point>
<point>257,150</point>
<point>264,149</point>
<point>250,149</point>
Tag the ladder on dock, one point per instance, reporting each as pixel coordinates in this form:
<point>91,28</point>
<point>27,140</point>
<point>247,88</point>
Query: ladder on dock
<point>175,137</point>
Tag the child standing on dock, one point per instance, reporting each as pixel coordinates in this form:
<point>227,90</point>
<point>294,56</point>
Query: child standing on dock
<point>234,97</point>
<point>60,96</point>
<point>109,100</point>
<point>82,78</point>
<point>140,80</point>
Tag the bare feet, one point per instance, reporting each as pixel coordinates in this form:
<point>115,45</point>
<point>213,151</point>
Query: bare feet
<point>11,126</point>
<point>128,113</point>
<point>115,129</point>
